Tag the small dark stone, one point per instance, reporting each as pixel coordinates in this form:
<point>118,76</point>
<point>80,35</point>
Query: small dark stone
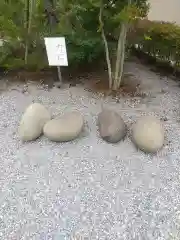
<point>165,119</point>
<point>163,91</point>
<point>58,84</point>
<point>139,214</point>
<point>24,90</point>
<point>5,125</point>
<point>72,84</point>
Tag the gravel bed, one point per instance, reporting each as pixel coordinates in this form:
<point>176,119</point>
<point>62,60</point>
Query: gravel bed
<point>88,189</point>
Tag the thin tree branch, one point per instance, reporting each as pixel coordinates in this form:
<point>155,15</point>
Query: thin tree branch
<point>106,45</point>
<point>118,53</point>
<point>27,5</point>
<point>123,50</point>
<point>30,6</point>
<point>121,53</point>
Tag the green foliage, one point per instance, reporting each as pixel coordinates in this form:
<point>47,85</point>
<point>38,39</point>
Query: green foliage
<point>160,40</point>
<point>78,22</point>
<point>117,17</point>
<point>79,28</point>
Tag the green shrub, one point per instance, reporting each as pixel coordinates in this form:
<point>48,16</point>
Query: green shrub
<point>79,28</point>
<point>24,24</point>
<point>160,40</point>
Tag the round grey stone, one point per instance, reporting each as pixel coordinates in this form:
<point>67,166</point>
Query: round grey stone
<point>148,134</point>
<point>64,128</point>
<point>112,127</point>
<point>32,122</point>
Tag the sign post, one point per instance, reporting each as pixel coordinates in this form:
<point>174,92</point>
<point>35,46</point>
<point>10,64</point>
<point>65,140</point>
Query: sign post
<point>56,53</point>
<point>59,75</point>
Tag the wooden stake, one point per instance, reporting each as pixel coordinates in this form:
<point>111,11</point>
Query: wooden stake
<point>59,75</point>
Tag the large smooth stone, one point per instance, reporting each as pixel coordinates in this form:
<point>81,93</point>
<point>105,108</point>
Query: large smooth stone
<point>148,134</point>
<point>64,128</point>
<point>32,122</point>
<point>112,128</point>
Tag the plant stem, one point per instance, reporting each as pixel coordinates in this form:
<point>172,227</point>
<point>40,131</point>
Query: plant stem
<point>118,58</point>
<point>105,45</point>
<point>119,66</point>
<point>27,3</point>
<point>122,52</point>
<point>30,5</point>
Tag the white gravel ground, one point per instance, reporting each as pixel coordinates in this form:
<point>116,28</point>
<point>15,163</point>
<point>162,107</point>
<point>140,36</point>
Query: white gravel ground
<point>88,187</point>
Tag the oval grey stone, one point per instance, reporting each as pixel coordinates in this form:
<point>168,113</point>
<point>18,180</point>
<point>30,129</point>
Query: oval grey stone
<point>32,122</point>
<point>148,134</point>
<point>64,128</point>
<point>112,127</point>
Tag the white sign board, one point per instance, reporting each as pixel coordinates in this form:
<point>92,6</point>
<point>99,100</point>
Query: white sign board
<point>56,51</point>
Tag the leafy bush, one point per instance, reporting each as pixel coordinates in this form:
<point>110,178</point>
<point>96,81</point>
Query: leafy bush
<point>160,40</point>
<point>79,28</point>
<point>24,25</point>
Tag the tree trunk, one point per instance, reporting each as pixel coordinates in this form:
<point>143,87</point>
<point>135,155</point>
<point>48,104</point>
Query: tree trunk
<point>108,61</point>
<point>29,14</point>
<point>121,50</point>
<point>120,56</point>
<point>50,12</point>
<point>27,6</point>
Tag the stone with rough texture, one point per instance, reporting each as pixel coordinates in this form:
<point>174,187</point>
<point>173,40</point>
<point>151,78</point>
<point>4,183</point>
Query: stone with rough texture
<point>148,134</point>
<point>111,126</point>
<point>64,128</point>
<point>32,122</point>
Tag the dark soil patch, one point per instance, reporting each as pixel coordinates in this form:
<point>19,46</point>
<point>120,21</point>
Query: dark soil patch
<point>46,76</point>
<point>93,77</point>
<point>130,87</point>
<point>72,75</point>
<point>94,80</point>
